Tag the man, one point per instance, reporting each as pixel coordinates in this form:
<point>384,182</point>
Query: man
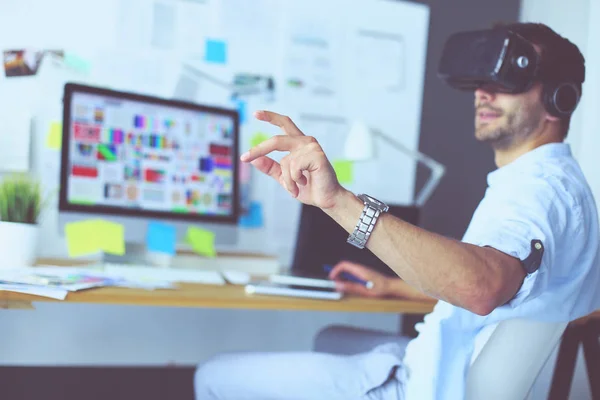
<point>530,251</point>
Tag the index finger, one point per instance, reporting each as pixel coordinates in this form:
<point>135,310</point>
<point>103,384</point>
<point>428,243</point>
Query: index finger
<point>274,143</point>
<point>284,122</point>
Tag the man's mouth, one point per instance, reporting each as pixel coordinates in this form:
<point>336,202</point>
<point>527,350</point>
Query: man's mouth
<point>486,116</point>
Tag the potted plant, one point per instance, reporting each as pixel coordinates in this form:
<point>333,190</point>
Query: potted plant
<point>20,207</point>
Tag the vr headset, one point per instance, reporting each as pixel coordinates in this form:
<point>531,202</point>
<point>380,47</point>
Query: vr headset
<point>502,61</point>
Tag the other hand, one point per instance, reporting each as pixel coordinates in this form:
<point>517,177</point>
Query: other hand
<point>305,172</point>
<point>380,281</point>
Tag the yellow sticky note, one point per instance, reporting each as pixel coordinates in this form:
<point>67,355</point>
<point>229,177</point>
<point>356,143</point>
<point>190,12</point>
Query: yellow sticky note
<point>202,241</point>
<point>111,237</point>
<point>258,138</point>
<point>81,238</point>
<point>54,137</point>
<point>343,170</point>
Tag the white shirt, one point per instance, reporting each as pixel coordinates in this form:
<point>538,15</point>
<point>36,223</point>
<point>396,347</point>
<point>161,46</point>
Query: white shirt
<point>541,195</point>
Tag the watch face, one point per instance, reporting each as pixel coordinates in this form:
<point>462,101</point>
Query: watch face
<point>372,200</point>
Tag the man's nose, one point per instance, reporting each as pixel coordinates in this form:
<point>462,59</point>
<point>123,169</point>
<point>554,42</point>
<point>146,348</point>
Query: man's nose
<point>484,93</point>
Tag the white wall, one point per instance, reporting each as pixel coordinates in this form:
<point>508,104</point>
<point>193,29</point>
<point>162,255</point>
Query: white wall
<point>582,27</point>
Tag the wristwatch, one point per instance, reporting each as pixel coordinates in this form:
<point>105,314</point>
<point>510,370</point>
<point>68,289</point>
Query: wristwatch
<point>368,218</point>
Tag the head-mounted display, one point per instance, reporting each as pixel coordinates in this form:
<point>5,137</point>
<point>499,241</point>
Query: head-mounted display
<point>495,57</point>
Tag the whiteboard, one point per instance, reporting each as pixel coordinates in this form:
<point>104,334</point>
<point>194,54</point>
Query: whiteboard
<point>332,62</point>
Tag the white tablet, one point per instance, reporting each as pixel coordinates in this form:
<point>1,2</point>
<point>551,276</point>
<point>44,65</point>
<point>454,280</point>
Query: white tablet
<point>278,289</point>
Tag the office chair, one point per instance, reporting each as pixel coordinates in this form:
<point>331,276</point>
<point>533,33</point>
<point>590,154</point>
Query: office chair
<point>322,241</point>
<point>505,368</point>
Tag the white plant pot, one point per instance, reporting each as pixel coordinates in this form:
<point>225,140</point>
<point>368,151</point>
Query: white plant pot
<point>18,244</point>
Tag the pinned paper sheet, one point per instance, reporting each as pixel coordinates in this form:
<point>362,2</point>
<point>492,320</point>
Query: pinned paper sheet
<point>91,236</point>
<point>161,237</point>
<point>216,51</point>
<point>15,140</point>
<point>54,136</point>
<point>202,241</point>
<point>258,138</point>
<point>343,170</point>
<point>254,218</point>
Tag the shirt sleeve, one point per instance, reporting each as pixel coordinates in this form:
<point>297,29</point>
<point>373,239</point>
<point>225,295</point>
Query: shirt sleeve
<point>536,212</point>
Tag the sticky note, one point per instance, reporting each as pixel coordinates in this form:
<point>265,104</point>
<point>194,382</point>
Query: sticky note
<point>241,108</point>
<point>258,138</point>
<point>81,238</point>
<point>77,63</point>
<point>343,170</point>
<point>216,51</point>
<point>254,217</point>
<point>161,237</point>
<point>54,136</point>
<point>91,236</point>
<point>202,241</point>
<point>111,237</point>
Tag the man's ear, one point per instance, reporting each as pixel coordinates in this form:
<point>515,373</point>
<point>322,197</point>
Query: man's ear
<point>552,118</point>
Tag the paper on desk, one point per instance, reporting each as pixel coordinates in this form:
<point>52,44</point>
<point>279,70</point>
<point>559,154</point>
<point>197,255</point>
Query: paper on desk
<point>54,293</point>
<point>202,241</point>
<point>237,277</point>
<point>63,278</point>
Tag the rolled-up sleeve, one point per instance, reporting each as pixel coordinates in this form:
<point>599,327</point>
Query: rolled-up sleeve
<point>536,212</point>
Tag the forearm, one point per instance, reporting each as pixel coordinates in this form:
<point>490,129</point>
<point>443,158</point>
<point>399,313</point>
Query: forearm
<point>396,287</point>
<point>443,268</point>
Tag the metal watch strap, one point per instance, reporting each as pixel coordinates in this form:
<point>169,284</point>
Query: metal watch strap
<point>364,226</point>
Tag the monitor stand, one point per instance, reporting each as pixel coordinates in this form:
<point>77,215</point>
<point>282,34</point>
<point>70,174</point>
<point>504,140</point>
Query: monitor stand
<point>137,254</point>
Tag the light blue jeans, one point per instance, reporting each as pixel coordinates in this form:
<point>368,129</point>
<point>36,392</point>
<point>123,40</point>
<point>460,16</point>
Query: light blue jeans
<point>347,364</point>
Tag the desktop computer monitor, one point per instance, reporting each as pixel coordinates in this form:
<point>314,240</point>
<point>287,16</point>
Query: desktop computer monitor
<point>132,158</point>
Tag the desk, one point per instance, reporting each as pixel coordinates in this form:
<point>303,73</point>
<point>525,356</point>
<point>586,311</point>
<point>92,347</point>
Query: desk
<point>216,296</point>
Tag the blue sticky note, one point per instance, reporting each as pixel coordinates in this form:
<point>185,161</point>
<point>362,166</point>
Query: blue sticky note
<point>241,108</point>
<point>161,237</point>
<point>254,217</point>
<point>216,51</point>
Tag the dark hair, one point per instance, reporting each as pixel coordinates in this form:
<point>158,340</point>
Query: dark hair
<point>561,60</point>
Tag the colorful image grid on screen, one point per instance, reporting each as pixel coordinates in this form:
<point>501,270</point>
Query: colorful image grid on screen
<point>144,156</point>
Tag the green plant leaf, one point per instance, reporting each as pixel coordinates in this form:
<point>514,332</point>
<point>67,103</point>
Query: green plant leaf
<point>20,199</point>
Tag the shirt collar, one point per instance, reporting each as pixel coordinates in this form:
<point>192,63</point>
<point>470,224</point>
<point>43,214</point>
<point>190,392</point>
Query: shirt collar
<point>517,166</point>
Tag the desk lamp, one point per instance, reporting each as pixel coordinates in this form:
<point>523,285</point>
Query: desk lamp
<point>360,146</point>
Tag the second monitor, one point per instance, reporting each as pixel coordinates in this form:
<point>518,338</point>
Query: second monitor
<point>132,158</point>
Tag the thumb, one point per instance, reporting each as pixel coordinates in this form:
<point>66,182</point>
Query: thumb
<point>354,288</point>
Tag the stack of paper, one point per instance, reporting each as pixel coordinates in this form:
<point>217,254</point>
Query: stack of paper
<point>53,282</point>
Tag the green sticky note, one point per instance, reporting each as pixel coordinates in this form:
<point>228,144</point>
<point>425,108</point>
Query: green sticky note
<point>111,237</point>
<point>81,238</point>
<point>77,63</point>
<point>258,138</point>
<point>202,241</point>
<point>54,136</point>
<point>343,170</point>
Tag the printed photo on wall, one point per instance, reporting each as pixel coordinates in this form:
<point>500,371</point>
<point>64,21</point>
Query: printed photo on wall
<point>253,85</point>
<point>25,62</point>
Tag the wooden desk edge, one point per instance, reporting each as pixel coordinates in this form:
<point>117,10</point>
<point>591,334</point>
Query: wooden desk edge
<point>169,298</point>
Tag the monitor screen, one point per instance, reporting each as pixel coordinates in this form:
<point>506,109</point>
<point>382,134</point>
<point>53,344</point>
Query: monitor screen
<point>128,154</point>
